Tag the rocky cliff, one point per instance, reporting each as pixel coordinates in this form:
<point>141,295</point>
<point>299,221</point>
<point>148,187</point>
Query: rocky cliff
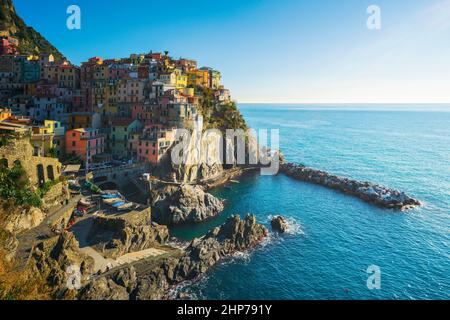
<point>151,279</point>
<point>57,260</point>
<point>31,42</point>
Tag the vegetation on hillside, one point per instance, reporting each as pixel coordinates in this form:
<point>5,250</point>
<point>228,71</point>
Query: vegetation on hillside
<point>30,41</point>
<point>219,116</point>
<point>15,188</point>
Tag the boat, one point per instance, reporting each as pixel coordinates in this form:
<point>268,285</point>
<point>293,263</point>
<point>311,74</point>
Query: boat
<point>234,181</point>
<point>112,201</point>
<point>118,204</point>
<point>111,196</point>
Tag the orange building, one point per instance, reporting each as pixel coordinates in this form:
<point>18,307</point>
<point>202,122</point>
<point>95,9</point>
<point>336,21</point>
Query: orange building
<point>85,143</point>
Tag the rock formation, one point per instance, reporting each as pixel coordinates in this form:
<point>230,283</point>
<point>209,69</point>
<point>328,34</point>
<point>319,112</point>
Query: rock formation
<point>130,233</point>
<point>372,193</point>
<point>57,260</point>
<point>151,279</point>
<point>279,224</point>
<point>185,204</point>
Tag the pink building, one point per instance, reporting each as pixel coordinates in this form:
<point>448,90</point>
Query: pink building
<point>85,143</point>
<point>153,144</point>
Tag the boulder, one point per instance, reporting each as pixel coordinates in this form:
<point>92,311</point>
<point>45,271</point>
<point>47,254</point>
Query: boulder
<point>279,224</point>
<point>185,204</point>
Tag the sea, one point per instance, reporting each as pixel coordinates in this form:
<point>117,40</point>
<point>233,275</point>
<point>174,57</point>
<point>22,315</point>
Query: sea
<point>337,244</point>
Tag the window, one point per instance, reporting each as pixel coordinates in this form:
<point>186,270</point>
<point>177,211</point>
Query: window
<point>74,144</point>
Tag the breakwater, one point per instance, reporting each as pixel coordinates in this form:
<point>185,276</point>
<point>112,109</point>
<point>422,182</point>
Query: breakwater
<point>369,192</point>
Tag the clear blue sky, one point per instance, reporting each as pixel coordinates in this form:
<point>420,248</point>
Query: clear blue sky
<point>272,50</point>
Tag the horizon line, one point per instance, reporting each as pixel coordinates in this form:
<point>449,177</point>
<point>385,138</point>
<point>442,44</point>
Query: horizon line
<point>347,103</point>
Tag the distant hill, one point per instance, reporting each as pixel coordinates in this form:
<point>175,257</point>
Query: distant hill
<point>31,41</point>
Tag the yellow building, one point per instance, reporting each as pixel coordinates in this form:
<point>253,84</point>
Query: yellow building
<point>190,92</point>
<point>42,139</point>
<point>181,79</point>
<point>202,78</point>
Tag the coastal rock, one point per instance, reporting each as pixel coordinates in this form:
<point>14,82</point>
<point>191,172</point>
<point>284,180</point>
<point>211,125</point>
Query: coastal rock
<point>150,279</point>
<point>185,204</point>
<point>59,258</point>
<point>372,193</point>
<point>116,285</point>
<point>235,235</point>
<point>279,224</point>
<point>130,233</point>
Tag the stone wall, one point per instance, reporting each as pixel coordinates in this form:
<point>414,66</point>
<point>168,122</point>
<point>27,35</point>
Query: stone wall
<point>39,169</point>
<point>57,195</point>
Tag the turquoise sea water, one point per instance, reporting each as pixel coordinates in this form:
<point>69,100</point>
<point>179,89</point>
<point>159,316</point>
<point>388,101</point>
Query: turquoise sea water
<point>336,237</point>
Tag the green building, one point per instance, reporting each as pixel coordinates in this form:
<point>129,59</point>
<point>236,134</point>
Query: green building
<point>120,135</point>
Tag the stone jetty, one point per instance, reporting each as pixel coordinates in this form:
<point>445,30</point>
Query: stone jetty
<point>369,192</point>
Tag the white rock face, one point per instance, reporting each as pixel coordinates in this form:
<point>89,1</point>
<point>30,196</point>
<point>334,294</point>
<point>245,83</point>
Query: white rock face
<point>202,159</point>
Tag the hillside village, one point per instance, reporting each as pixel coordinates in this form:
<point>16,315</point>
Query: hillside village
<point>66,129</point>
<point>84,179</point>
<point>108,109</point>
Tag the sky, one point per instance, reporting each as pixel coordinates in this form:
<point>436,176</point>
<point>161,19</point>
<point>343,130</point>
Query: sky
<point>272,51</point>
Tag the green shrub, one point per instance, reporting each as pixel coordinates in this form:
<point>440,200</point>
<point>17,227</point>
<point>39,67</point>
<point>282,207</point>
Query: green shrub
<point>15,188</point>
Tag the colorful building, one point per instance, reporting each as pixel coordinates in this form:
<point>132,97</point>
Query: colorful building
<point>152,144</point>
<point>42,140</point>
<point>202,78</point>
<point>85,143</point>
<point>121,134</point>
<point>181,80</point>
<point>79,120</point>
